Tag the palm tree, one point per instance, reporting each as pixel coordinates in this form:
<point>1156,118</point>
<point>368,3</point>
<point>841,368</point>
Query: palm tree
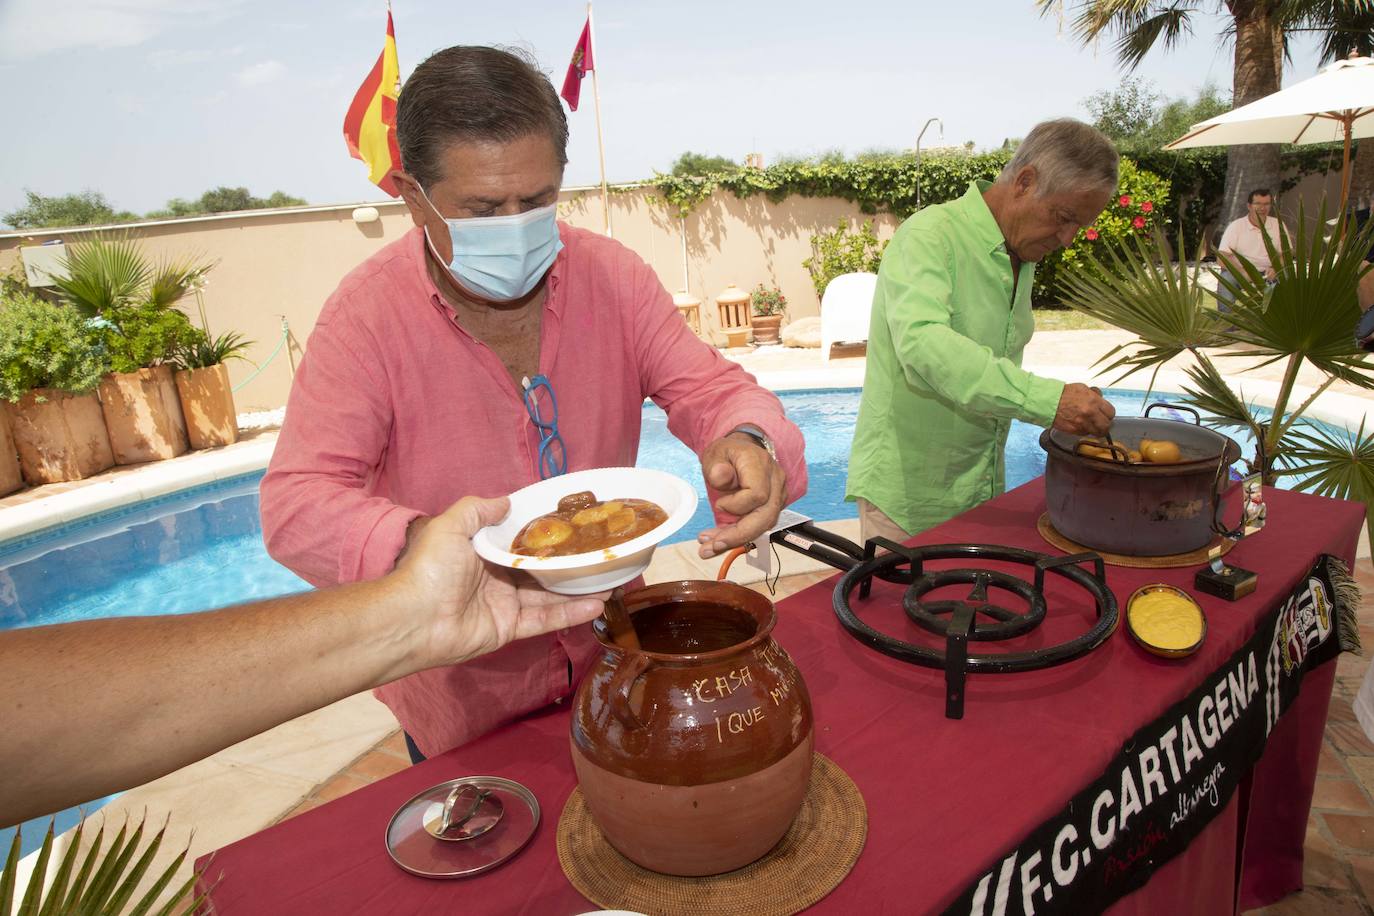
<point>1259,30</point>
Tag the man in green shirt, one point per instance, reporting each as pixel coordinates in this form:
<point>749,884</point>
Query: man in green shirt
<point>951,318</point>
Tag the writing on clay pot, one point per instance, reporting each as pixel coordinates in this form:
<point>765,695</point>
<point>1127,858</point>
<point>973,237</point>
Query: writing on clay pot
<point>694,751</point>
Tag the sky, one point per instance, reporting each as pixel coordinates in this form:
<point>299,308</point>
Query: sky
<point>146,100</point>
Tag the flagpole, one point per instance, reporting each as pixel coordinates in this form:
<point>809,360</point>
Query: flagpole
<point>600,144</point>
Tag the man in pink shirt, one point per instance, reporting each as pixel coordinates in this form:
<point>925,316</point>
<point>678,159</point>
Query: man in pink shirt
<point>434,368</point>
<point>1245,237</point>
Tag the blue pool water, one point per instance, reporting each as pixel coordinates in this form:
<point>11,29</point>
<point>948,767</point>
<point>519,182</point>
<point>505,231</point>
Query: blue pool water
<point>202,548</point>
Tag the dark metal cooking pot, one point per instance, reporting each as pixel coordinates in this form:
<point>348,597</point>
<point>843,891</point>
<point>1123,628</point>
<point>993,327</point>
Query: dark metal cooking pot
<point>1140,510</point>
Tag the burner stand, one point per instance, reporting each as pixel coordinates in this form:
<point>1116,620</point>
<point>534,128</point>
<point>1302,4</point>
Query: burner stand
<point>958,620</point>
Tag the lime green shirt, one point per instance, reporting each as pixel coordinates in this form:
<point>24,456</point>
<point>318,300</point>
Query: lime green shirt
<point>944,378</point>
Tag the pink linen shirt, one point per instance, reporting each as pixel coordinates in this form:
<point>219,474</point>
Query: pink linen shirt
<point>396,412</point>
<point>1244,238</point>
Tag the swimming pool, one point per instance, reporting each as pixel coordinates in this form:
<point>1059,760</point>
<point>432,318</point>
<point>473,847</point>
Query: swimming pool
<point>202,548</point>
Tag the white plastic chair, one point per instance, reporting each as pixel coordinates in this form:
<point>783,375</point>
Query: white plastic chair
<point>845,310</point>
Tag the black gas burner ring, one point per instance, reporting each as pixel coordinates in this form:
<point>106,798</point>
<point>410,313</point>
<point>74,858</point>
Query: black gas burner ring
<point>961,624</point>
<point>936,616</point>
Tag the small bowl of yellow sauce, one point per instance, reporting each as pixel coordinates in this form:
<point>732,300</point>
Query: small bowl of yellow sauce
<point>1165,620</point>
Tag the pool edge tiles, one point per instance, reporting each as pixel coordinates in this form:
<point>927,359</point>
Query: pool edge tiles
<point>62,533</point>
<point>138,485</point>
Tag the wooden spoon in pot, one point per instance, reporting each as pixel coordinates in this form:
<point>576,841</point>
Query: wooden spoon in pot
<point>618,622</point>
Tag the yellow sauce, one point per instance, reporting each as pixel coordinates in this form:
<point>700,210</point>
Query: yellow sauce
<point>1166,620</point>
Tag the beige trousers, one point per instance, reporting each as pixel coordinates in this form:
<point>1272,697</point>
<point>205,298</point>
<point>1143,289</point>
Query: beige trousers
<point>873,522</point>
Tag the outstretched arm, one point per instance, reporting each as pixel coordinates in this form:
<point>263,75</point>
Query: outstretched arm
<point>91,708</point>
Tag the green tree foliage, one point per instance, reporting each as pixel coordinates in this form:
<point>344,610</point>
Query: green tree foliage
<point>88,208</point>
<point>1125,112</point>
<point>1258,31</point>
<point>225,200</point>
<point>1139,119</point>
<point>690,163</point>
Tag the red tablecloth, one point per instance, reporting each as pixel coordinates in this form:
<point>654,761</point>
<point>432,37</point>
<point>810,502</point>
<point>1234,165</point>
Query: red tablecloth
<point>944,797</point>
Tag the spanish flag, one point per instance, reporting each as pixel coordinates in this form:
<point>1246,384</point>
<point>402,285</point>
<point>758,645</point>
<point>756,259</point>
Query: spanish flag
<point>370,125</point>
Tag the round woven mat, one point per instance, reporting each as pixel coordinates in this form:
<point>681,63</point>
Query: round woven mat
<point>1171,561</point>
<point>813,857</point>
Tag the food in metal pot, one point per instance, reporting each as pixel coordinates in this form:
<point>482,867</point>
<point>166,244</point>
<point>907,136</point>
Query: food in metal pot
<point>1160,451</point>
<point>581,523</point>
<point>1151,451</point>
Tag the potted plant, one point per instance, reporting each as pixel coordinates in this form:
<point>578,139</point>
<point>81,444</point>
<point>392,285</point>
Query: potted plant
<point>130,298</point>
<point>202,380</point>
<point>49,369</point>
<point>1307,317</point>
<point>769,306</point>
<point>142,410</point>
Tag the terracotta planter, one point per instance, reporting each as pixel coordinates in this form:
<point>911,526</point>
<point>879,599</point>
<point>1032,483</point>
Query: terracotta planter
<point>10,477</point>
<point>694,752</point>
<point>207,401</point>
<point>143,415</point>
<point>59,435</point>
<point>766,329</point>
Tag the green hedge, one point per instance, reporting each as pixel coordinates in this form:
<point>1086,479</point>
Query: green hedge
<point>1184,188</point>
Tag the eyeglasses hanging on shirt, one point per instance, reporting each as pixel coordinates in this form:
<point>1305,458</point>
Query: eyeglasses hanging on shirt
<point>553,455</point>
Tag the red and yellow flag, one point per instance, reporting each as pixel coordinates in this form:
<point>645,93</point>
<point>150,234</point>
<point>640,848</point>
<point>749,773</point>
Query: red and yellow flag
<point>370,125</point>
<point>580,65</point>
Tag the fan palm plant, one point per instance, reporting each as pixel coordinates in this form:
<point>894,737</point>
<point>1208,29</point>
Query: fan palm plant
<point>102,883</point>
<point>110,272</point>
<point>1306,318</point>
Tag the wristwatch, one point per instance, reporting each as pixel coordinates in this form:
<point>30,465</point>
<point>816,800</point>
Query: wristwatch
<point>759,436</point>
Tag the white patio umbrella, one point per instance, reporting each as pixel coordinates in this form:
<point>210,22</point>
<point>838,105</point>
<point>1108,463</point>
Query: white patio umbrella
<point>1336,104</point>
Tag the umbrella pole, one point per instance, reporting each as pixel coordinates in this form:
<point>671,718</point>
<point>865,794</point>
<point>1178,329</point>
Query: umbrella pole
<point>1345,168</point>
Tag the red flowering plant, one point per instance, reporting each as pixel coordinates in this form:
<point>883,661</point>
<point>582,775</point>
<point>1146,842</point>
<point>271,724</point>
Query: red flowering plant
<point>767,300</point>
<point>1136,210</point>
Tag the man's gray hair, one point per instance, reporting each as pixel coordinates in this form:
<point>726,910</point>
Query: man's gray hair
<point>1067,155</point>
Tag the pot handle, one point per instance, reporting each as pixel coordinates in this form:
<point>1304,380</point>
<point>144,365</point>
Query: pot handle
<point>1197,417</point>
<point>618,694</point>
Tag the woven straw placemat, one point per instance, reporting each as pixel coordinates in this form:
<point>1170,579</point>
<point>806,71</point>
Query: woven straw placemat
<point>1171,561</point>
<point>813,857</point>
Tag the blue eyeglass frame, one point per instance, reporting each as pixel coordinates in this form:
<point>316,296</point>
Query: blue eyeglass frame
<point>553,452</point>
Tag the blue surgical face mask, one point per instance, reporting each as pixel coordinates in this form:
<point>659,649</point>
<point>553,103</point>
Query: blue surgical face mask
<point>500,258</point>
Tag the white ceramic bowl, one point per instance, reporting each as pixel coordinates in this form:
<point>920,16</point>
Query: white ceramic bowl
<point>597,570</point>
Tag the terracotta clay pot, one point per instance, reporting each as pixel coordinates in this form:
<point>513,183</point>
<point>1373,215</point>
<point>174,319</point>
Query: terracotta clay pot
<point>207,401</point>
<point>767,328</point>
<point>694,753</point>
<point>59,435</point>
<point>10,477</point>
<point>143,415</point>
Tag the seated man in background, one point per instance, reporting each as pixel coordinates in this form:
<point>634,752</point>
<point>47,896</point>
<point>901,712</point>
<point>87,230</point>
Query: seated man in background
<point>100,706</point>
<point>485,349</point>
<point>1245,237</point>
<point>951,319</point>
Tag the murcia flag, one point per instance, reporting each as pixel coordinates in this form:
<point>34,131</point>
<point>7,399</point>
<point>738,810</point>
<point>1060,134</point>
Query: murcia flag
<point>370,125</point>
<point>581,63</point>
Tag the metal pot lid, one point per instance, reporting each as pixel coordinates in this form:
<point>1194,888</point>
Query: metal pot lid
<point>415,849</point>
